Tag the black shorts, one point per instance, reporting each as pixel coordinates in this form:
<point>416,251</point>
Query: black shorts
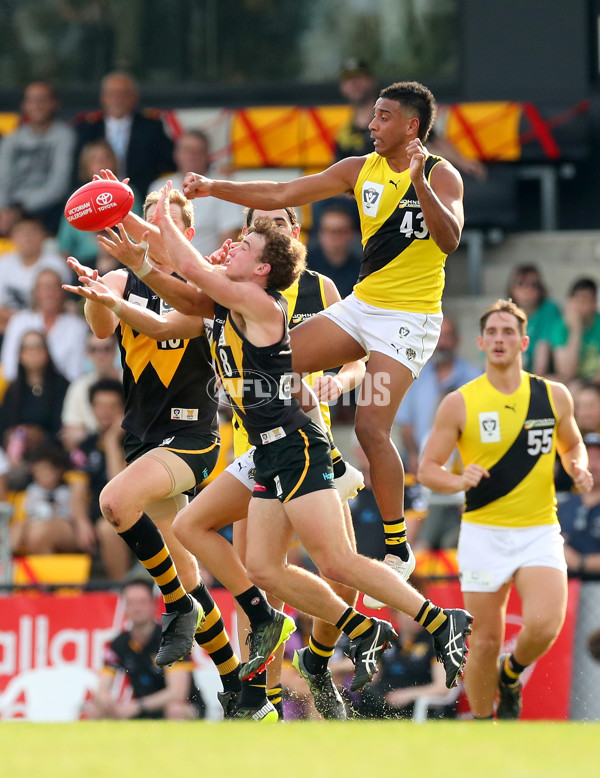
<point>200,452</point>
<point>293,466</point>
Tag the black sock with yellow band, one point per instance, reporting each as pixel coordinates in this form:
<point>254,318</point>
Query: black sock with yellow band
<point>395,538</point>
<point>317,656</point>
<point>146,542</point>
<point>510,670</point>
<point>354,624</point>
<point>213,638</point>
<point>431,617</point>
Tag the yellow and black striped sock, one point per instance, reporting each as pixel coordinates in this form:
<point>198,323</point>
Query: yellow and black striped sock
<point>395,538</point>
<point>275,696</point>
<point>431,617</point>
<point>354,624</point>
<point>213,638</point>
<point>317,656</point>
<point>146,542</point>
<point>511,670</point>
<point>254,692</point>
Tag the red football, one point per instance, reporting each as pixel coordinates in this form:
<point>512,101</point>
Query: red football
<point>98,205</point>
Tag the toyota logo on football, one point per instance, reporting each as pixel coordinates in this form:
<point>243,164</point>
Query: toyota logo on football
<point>104,198</point>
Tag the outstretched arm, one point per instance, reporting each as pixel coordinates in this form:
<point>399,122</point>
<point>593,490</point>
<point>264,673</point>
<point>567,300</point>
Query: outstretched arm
<point>269,195</point>
<point>172,325</point>
<point>246,298</point>
<point>178,294</point>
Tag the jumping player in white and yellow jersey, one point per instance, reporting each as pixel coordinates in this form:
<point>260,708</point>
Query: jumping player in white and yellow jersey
<point>508,426</point>
<point>411,211</point>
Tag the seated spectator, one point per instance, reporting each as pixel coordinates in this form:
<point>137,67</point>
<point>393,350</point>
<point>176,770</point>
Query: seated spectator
<point>409,670</point>
<point>45,525</point>
<point>144,151</point>
<point>579,518</point>
<point>19,269</point>
<point>97,459</point>
<point>32,405</point>
<point>528,290</point>
<point>360,89</point>
<point>35,161</point>
<point>94,156</point>
<point>576,337</point>
<point>157,693</point>
<point>214,220</point>
<point>65,332</point>
<point>337,252</point>
<point>78,419</point>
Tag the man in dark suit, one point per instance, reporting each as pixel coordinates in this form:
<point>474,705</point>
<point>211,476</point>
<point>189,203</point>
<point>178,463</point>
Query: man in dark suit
<point>143,149</point>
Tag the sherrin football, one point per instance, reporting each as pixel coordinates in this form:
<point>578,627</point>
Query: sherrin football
<point>99,204</point>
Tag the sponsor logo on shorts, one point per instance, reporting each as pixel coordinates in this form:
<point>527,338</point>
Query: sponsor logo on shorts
<point>259,488</point>
<point>371,197</point>
<point>489,427</point>
<point>403,332</point>
<point>327,476</point>
<point>205,474</point>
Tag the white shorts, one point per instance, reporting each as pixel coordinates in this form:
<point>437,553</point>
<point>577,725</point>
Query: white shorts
<point>409,338</point>
<point>243,469</point>
<point>488,557</point>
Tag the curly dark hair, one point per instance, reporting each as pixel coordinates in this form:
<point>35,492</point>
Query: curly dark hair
<point>417,98</point>
<point>285,255</point>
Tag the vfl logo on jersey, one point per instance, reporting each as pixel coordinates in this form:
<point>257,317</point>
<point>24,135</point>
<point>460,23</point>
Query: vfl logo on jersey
<point>371,197</point>
<point>165,308</point>
<point>489,427</point>
<point>184,414</point>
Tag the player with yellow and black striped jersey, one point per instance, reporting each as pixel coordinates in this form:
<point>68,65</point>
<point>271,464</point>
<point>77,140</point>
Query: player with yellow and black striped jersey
<point>411,212</point>
<point>294,477</point>
<point>508,426</point>
<point>171,445</point>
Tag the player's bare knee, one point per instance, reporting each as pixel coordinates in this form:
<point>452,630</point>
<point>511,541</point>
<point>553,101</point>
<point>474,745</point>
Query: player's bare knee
<point>369,436</point>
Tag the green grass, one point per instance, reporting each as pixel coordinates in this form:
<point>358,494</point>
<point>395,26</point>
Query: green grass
<point>307,749</point>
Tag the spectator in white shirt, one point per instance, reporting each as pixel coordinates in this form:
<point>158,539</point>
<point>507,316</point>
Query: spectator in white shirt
<point>19,269</point>
<point>78,418</point>
<point>65,332</point>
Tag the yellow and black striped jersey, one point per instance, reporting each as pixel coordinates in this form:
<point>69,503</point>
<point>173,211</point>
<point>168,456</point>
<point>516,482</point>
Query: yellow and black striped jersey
<point>402,267</point>
<point>257,379</point>
<point>513,436</point>
<point>168,385</point>
<point>305,298</point>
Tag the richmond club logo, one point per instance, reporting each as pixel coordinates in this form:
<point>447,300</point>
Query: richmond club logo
<point>104,199</point>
